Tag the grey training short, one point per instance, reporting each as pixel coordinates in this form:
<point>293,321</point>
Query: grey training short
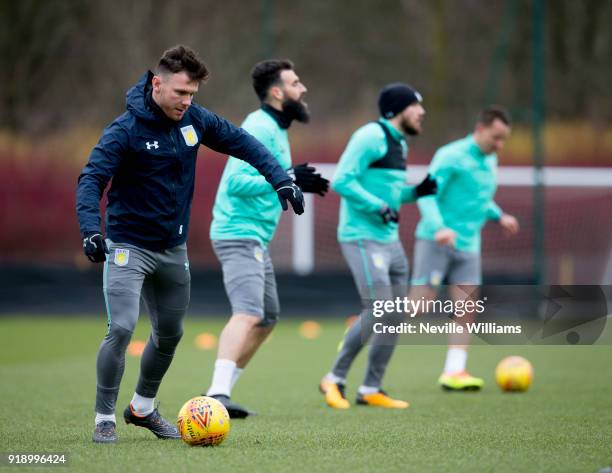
<point>433,263</point>
<point>248,276</point>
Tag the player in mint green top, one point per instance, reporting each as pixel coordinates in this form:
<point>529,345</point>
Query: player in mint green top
<point>245,216</point>
<point>466,177</point>
<point>448,234</point>
<point>369,186</point>
<point>371,179</point>
<point>246,206</point>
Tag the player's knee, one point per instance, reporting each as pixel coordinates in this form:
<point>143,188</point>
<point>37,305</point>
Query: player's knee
<point>167,344</point>
<point>117,336</point>
<point>269,320</point>
<point>246,318</point>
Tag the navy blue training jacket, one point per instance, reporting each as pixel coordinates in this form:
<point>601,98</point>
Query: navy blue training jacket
<point>151,160</point>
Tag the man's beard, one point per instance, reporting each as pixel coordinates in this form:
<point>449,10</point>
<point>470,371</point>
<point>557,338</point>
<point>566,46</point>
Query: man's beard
<point>409,129</point>
<point>296,110</point>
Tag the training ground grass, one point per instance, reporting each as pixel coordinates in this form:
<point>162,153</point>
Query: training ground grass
<point>563,423</point>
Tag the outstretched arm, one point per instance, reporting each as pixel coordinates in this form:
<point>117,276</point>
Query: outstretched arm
<point>441,169</point>
<point>428,186</point>
<point>224,137</point>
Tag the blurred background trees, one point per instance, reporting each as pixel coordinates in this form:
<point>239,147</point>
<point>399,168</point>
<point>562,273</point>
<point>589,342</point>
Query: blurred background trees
<point>68,62</point>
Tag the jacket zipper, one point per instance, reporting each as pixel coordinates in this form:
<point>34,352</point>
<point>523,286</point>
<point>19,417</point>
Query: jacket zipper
<point>174,185</point>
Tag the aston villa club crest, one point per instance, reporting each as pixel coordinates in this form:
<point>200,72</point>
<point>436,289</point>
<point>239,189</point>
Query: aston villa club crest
<point>190,136</point>
<point>259,254</point>
<point>122,257</point>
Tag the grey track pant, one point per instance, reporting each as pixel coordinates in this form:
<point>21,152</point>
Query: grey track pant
<point>163,281</point>
<point>380,271</point>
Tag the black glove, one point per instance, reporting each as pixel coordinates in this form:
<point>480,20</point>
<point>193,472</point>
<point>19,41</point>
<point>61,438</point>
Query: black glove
<point>307,180</point>
<point>95,247</point>
<point>288,191</point>
<point>428,186</point>
<point>389,215</point>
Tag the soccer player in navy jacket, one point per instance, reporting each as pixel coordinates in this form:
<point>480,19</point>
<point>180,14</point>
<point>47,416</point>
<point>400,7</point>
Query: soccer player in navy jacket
<point>150,152</point>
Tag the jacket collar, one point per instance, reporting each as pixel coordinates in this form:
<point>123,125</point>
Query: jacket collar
<point>395,133</point>
<point>474,148</point>
<point>279,117</point>
<point>139,101</point>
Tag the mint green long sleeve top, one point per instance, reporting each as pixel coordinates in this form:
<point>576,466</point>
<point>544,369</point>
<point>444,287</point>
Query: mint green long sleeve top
<point>467,181</point>
<point>365,190</point>
<point>246,205</point>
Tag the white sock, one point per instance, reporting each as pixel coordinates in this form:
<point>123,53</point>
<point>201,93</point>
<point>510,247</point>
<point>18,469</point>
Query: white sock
<point>235,375</point>
<point>456,358</point>
<point>335,379</point>
<point>142,406</point>
<point>222,378</point>
<point>367,390</point>
<point>103,417</point>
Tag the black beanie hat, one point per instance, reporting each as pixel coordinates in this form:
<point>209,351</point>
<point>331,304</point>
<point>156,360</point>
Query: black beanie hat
<point>396,97</point>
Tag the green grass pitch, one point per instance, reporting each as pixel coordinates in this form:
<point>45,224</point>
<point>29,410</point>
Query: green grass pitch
<point>563,423</point>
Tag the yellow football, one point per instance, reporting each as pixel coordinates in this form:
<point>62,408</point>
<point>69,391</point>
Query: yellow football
<point>514,373</point>
<point>203,421</point>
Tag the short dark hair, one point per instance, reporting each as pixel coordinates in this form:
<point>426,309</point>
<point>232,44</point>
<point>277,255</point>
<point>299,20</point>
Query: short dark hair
<point>267,73</point>
<point>182,59</point>
<point>494,112</point>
